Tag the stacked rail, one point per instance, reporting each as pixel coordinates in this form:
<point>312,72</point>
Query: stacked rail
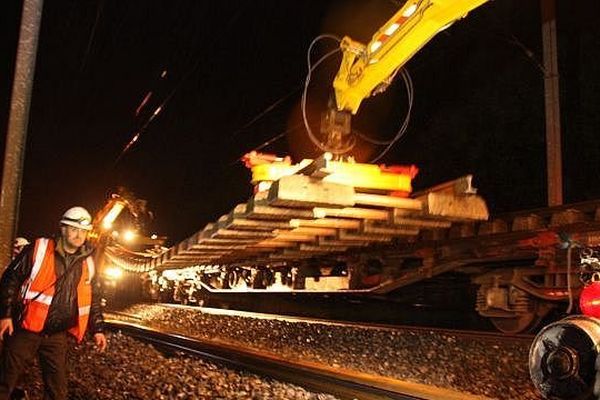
<point>303,216</point>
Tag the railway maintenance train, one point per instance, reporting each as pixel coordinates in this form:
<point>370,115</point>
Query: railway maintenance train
<point>334,225</point>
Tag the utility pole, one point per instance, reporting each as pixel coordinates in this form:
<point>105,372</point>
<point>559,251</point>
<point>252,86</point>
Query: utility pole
<point>16,137</point>
<point>552,104</point>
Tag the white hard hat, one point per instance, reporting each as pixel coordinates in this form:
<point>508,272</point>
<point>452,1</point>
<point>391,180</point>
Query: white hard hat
<point>78,217</point>
<point>21,241</point>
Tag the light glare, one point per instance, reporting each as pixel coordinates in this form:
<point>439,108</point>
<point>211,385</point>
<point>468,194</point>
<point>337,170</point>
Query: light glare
<point>392,28</point>
<point>129,235</point>
<point>375,46</point>
<point>113,272</point>
<point>410,10</point>
<point>110,217</point>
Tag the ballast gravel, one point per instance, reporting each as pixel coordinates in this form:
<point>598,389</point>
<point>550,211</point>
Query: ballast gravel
<point>130,369</point>
<point>492,367</point>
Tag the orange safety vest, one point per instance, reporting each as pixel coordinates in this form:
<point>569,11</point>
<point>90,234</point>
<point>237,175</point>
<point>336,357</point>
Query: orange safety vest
<point>42,279</point>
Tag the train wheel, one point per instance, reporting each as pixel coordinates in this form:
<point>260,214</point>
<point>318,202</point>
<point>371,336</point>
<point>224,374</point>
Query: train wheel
<point>231,280</point>
<point>517,324</point>
<point>258,281</point>
<point>520,323</point>
<point>268,278</point>
<point>286,277</point>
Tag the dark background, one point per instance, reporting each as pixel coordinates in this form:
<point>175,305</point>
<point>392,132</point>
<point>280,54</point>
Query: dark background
<point>478,101</point>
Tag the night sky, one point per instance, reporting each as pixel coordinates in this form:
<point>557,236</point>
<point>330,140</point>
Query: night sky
<point>478,104</point>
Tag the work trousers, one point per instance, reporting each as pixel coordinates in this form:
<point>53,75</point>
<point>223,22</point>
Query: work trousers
<point>18,354</point>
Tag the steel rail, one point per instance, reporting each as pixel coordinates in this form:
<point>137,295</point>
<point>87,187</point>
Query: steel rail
<point>341,383</point>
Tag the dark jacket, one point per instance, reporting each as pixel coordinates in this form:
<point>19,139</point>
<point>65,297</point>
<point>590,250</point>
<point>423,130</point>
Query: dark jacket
<point>62,313</point>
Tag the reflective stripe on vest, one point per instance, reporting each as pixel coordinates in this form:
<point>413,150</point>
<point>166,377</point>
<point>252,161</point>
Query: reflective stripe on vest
<point>84,298</point>
<point>42,279</point>
<point>40,251</point>
<point>84,310</point>
<point>43,298</point>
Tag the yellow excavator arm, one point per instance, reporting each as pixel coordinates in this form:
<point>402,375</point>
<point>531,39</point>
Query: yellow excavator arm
<point>368,69</point>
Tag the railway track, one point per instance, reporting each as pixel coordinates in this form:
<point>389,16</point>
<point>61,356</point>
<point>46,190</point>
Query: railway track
<point>489,335</point>
<point>342,383</point>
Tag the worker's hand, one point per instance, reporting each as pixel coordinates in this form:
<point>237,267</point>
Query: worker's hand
<point>6,326</point>
<point>100,341</point>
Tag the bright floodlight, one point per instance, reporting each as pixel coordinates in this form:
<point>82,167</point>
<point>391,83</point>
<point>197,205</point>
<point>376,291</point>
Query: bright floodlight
<point>113,272</point>
<point>129,235</point>
<point>110,217</point>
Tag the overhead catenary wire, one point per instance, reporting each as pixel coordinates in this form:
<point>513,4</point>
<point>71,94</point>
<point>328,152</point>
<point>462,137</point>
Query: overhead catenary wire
<point>311,67</point>
<point>99,10</point>
<point>277,137</point>
<point>280,100</point>
<point>157,110</point>
<point>270,141</point>
<point>137,134</point>
<point>270,108</point>
<point>289,94</point>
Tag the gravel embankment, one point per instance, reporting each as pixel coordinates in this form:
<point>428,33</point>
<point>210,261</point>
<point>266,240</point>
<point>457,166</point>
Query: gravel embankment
<point>130,369</point>
<point>489,367</point>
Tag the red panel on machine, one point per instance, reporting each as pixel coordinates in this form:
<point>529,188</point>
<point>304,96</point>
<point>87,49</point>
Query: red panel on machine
<point>589,301</point>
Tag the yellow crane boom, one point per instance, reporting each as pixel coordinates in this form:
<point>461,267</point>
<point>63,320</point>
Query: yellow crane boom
<point>368,69</point>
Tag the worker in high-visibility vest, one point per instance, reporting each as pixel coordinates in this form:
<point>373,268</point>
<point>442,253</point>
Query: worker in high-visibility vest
<point>48,291</point>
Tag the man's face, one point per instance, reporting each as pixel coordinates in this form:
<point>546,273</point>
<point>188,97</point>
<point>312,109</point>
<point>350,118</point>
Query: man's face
<point>73,237</point>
